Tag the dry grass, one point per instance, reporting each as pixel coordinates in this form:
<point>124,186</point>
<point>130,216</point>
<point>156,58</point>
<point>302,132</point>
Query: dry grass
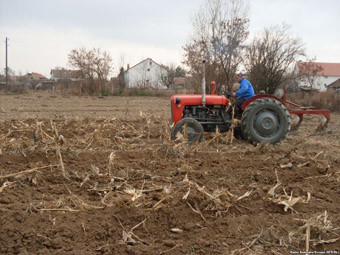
<point>318,100</point>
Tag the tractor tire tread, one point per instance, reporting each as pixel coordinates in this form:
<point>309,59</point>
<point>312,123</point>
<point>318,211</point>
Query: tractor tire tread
<point>194,124</point>
<point>247,121</point>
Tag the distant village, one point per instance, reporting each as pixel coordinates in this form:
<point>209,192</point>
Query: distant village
<point>148,74</point>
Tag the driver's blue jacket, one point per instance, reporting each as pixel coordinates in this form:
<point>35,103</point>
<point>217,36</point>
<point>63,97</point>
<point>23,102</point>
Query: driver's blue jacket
<point>245,90</point>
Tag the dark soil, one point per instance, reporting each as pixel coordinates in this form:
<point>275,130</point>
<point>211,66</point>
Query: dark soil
<point>122,187</point>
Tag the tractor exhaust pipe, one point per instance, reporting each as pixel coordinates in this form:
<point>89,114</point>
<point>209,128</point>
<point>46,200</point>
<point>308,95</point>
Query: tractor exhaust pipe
<point>203,84</point>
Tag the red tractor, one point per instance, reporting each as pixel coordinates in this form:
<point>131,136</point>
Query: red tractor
<point>265,118</point>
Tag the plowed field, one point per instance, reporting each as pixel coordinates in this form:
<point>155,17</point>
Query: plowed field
<point>86,175</point>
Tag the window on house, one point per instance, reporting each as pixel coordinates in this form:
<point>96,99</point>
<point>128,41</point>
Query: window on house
<point>148,70</point>
<point>150,63</point>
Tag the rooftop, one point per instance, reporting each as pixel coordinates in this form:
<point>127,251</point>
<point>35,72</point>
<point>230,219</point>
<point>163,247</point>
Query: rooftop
<point>328,69</point>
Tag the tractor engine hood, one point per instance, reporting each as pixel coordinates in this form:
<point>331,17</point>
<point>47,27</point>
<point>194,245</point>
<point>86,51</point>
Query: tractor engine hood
<point>197,99</point>
<point>178,103</point>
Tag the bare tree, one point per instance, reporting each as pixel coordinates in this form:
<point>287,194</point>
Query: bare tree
<point>270,57</point>
<point>168,80</point>
<point>309,73</point>
<point>94,64</point>
<point>173,72</point>
<point>121,62</point>
<point>220,30</point>
<point>121,80</point>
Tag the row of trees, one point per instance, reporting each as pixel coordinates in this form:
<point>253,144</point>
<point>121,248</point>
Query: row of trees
<point>220,36</point>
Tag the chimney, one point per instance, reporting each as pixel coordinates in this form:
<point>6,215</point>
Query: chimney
<point>128,66</point>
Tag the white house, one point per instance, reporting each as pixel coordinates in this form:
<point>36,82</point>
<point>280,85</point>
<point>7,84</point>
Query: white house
<point>146,74</point>
<point>329,73</point>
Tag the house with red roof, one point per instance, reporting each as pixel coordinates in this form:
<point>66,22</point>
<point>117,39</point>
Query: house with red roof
<point>35,76</point>
<point>179,82</point>
<point>317,75</point>
<point>64,74</point>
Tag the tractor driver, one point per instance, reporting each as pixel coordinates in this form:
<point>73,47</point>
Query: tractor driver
<point>244,92</point>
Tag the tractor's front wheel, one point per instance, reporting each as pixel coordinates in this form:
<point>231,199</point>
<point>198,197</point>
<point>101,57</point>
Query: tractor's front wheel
<point>188,129</point>
<point>265,120</point>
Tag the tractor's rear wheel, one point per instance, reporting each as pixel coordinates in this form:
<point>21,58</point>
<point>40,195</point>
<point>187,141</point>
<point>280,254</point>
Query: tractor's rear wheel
<point>265,120</point>
<point>190,129</point>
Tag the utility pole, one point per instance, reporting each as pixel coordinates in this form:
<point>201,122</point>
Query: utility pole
<point>6,62</point>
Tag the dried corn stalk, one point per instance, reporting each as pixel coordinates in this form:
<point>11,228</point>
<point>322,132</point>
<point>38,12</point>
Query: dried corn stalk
<point>287,201</point>
<point>6,184</point>
<point>111,162</point>
<point>319,224</point>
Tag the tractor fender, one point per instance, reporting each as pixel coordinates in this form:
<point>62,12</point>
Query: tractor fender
<point>246,103</point>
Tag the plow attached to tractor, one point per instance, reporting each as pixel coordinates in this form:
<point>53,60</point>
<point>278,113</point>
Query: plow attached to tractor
<point>299,111</point>
<point>265,118</point>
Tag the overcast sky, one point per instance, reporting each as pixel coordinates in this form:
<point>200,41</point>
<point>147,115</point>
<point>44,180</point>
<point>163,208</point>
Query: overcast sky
<point>42,32</point>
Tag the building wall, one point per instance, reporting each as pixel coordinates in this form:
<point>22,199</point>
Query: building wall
<point>321,82</point>
<point>147,74</point>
